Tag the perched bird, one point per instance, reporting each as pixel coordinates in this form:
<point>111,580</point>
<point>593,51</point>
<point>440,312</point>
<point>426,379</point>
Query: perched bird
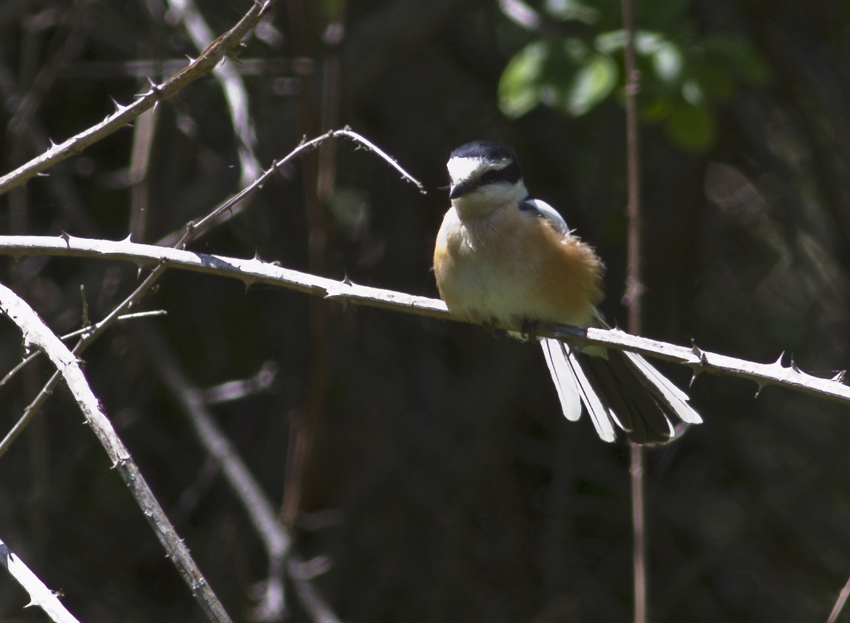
<point>506,258</point>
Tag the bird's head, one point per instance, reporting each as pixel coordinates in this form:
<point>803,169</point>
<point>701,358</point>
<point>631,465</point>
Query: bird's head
<point>485,176</point>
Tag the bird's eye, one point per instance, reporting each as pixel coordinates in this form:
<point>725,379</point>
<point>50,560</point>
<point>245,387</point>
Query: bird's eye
<point>490,176</point>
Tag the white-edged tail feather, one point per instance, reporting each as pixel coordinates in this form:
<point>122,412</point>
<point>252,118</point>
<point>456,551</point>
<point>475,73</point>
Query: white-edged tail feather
<point>571,381</point>
<point>620,389</point>
<point>563,378</point>
<point>675,398</point>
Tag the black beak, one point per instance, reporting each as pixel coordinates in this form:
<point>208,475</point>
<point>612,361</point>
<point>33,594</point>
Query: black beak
<point>459,190</point>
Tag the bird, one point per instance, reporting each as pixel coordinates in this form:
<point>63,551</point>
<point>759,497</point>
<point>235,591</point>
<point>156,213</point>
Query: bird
<point>504,258</point>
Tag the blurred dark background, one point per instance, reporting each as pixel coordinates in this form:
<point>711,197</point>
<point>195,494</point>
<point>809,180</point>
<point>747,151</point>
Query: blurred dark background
<point>441,479</point>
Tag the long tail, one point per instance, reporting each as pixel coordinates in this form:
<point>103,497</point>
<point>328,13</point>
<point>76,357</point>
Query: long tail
<point>622,390</point>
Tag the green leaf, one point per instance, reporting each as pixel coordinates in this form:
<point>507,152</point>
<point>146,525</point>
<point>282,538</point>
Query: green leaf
<point>594,81</point>
<point>668,61</point>
<point>690,127</point>
<point>519,84</point>
<point>603,14</point>
<point>613,41</point>
<point>692,92</point>
<point>571,10</point>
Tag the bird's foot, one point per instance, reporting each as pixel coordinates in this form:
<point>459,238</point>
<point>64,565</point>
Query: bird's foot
<point>529,330</point>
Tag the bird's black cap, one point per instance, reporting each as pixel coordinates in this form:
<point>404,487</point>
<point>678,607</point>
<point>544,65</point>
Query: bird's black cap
<point>485,150</point>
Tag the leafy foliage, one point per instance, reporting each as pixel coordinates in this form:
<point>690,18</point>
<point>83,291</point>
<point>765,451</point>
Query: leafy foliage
<point>684,76</point>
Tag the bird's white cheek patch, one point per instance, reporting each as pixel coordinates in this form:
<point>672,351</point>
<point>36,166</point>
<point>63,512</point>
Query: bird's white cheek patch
<point>462,168</point>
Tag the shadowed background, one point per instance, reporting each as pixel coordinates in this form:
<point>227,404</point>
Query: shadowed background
<point>439,476</point>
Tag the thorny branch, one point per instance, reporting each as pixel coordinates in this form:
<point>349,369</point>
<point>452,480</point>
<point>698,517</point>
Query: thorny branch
<point>40,595</point>
<point>190,232</point>
<point>216,216</point>
<point>68,336</point>
<point>36,333</point>
<point>222,47</point>
<point>256,271</point>
<point>180,240</point>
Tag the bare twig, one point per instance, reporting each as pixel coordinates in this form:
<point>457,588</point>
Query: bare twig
<point>275,538</point>
<point>248,490</point>
<point>121,318</point>
<point>180,240</point>
<point>255,271</point>
<point>143,135</point>
<point>85,341</point>
<point>139,68</point>
<point>354,136</point>
<point>222,47</point>
<point>224,210</point>
<point>231,83</point>
<point>632,298</point>
<point>639,562</point>
<point>37,334</point>
<point>40,595</point>
<point>839,604</point>
<point>310,598</point>
<point>236,390</point>
<point>68,336</point>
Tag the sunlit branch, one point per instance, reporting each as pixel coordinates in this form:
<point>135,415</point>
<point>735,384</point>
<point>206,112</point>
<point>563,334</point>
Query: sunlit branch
<point>37,334</point>
<point>253,271</point>
<point>39,594</point>
<point>224,46</point>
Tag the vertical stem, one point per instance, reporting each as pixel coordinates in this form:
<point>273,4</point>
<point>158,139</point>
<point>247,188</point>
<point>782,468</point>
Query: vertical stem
<point>634,289</point>
<point>638,535</point>
<point>634,286</point>
<point>298,460</point>
<point>319,171</point>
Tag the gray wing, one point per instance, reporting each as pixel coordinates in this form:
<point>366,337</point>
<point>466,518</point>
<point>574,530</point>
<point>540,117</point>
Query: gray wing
<point>546,211</point>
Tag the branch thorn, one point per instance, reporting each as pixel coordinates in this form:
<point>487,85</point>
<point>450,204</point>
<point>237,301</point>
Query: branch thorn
<point>698,366</point>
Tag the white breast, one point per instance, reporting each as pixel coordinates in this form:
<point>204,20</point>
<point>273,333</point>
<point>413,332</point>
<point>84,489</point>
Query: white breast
<point>483,280</point>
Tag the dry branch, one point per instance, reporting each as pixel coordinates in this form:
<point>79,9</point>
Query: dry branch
<point>40,595</point>
<point>255,271</point>
<point>247,489</point>
<point>224,46</point>
<point>37,334</point>
<point>275,538</point>
<point>231,83</point>
<point>229,207</point>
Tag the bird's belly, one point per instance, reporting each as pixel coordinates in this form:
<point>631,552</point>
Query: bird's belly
<point>512,280</point>
<point>485,288</point>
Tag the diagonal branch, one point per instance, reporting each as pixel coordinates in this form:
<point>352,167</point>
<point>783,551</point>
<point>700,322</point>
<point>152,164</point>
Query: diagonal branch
<point>179,240</point>
<point>223,47</point>
<point>231,83</point>
<point>275,538</point>
<point>37,334</point>
<point>40,595</point>
<point>255,271</point>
